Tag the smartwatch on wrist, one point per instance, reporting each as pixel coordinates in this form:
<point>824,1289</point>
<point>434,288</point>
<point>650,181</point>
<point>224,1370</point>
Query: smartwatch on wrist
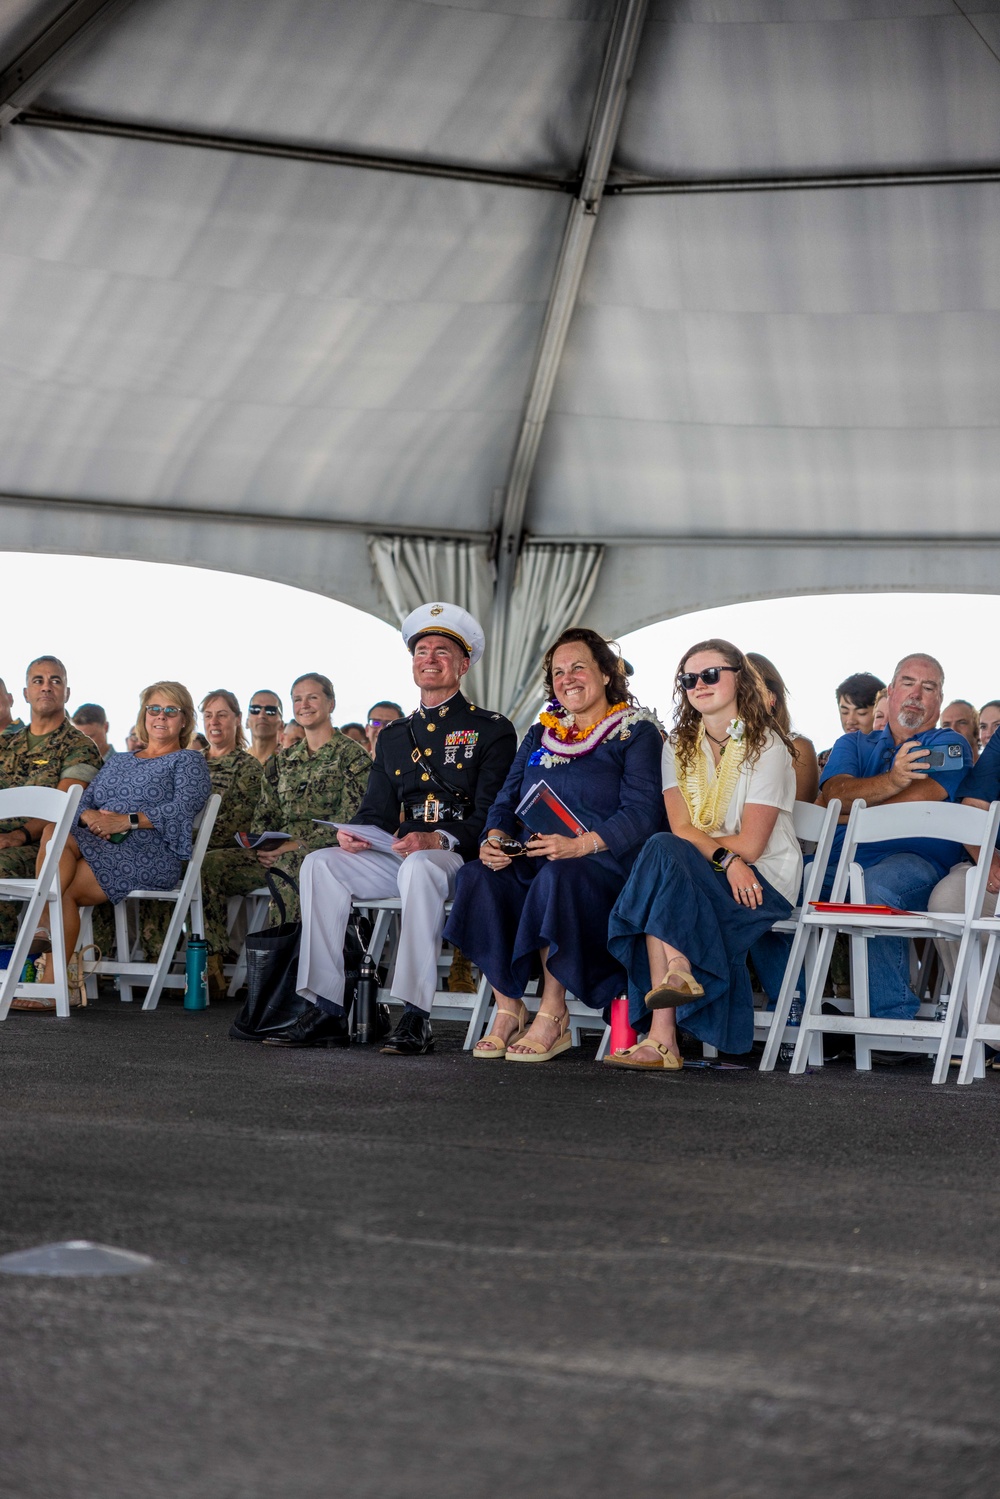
<point>722,858</point>
<point>133,821</point>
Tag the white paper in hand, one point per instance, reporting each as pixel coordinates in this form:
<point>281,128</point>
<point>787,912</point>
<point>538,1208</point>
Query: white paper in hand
<point>380,840</point>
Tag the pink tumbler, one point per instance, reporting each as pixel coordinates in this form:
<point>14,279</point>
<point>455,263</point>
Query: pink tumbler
<point>622,1034</point>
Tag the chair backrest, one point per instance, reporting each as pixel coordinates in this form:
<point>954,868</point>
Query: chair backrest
<point>204,822</point>
<point>816,825</point>
<point>43,802</point>
<point>948,820</point>
<point>809,821</point>
<point>941,820</point>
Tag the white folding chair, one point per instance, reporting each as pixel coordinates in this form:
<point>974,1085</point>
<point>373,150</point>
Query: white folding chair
<point>475,1008</point>
<point>816,826</point>
<point>923,1033</point>
<point>979,987</point>
<point>385,915</point>
<point>186,901</point>
<point>41,893</point>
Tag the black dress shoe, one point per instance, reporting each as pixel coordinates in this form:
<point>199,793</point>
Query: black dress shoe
<point>412,1036</point>
<point>314,1028</point>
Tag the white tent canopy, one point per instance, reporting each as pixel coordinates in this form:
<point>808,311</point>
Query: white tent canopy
<point>642,308</point>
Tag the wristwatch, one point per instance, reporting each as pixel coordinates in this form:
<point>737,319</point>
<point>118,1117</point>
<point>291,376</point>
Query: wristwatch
<point>722,858</point>
<point>133,821</point>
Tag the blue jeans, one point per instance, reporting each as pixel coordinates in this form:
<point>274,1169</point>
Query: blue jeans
<point>904,880</point>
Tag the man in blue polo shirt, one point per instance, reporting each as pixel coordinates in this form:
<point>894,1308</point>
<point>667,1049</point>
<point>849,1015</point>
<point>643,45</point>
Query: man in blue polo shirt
<point>882,769</point>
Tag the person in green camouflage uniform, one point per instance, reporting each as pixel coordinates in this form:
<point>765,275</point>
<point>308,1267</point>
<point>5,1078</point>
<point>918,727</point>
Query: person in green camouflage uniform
<point>324,775</point>
<point>229,870</point>
<point>48,751</point>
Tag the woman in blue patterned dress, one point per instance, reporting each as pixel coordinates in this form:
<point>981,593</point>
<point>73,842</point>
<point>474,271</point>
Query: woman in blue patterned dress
<point>600,753</point>
<point>152,796</point>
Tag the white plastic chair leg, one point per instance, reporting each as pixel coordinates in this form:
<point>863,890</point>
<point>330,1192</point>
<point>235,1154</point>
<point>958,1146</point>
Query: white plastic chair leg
<point>123,951</point>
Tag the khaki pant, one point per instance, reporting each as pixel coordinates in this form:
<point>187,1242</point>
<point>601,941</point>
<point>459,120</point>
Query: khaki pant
<point>949,895</point>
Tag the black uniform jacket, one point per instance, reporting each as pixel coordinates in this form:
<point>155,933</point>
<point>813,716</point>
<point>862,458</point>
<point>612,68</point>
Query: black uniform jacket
<point>439,769</point>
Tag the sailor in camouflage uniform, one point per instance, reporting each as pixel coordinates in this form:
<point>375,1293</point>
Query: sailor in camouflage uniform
<point>301,783</point>
<point>433,780</point>
<point>48,751</point>
<point>228,869</point>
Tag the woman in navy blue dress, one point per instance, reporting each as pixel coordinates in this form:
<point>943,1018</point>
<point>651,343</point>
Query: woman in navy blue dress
<point>152,796</point>
<point>600,753</point>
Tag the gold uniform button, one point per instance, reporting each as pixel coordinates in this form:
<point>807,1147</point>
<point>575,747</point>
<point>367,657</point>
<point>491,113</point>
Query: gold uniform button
<point>425,776</point>
<point>399,772</point>
<point>431,727</point>
<point>427,750</point>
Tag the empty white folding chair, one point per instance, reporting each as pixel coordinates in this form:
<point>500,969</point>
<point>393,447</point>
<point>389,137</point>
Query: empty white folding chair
<point>924,1033</point>
<point>816,826</point>
<point>40,894</point>
<point>185,899</point>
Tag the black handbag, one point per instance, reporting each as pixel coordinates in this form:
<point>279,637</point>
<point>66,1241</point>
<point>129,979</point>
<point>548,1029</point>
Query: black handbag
<point>272,1005</point>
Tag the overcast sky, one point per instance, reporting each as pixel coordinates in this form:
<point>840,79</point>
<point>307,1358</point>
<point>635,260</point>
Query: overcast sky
<point>120,625</point>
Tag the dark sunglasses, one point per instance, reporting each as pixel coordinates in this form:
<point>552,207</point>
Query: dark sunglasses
<point>270,710</point>
<point>168,712</point>
<point>709,676</point>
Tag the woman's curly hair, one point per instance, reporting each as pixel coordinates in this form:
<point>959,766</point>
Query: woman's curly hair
<point>609,663</point>
<point>753,707</point>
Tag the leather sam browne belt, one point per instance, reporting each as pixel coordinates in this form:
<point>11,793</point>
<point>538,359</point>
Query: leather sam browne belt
<point>432,810</point>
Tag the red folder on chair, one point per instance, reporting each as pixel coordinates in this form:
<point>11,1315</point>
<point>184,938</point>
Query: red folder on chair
<point>832,905</point>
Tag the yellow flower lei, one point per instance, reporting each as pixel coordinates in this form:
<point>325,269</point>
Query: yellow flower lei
<point>565,729</point>
<point>708,796</point>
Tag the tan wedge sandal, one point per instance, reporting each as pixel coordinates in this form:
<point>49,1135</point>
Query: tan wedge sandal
<point>538,1053</point>
<point>487,1052</point>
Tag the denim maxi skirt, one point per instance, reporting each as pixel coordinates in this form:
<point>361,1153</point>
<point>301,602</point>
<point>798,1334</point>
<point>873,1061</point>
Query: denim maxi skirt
<point>502,918</point>
<point>674,893</point>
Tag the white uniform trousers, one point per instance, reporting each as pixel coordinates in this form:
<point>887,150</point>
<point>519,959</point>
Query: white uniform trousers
<point>328,881</point>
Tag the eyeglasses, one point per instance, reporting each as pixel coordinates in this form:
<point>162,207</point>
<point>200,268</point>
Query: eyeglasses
<point>270,710</point>
<point>379,723</point>
<point>509,846</point>
<point>709,676</point>
<point>167,710</point>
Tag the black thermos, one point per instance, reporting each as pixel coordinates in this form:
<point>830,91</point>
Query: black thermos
<point>366,1005</point>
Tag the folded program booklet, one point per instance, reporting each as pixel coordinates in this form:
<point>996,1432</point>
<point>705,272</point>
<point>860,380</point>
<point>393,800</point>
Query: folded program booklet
<point>380,840</point>
<point>545,813</point>
<point>262,841</point>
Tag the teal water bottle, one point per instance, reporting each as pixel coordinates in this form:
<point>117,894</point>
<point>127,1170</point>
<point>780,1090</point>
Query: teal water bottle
<point>196,990</point>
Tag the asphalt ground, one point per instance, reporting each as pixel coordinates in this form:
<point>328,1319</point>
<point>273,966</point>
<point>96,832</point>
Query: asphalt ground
<point>393,1277</point>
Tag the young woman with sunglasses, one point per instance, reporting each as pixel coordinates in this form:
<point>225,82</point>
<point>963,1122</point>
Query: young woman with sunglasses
<point>136,816</point>
<point>699,896</point>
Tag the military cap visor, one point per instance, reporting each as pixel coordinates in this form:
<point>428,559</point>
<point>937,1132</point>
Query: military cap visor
<point>440,630</point>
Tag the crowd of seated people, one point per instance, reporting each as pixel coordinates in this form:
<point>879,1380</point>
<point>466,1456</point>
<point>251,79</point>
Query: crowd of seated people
<point>677,857</point>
